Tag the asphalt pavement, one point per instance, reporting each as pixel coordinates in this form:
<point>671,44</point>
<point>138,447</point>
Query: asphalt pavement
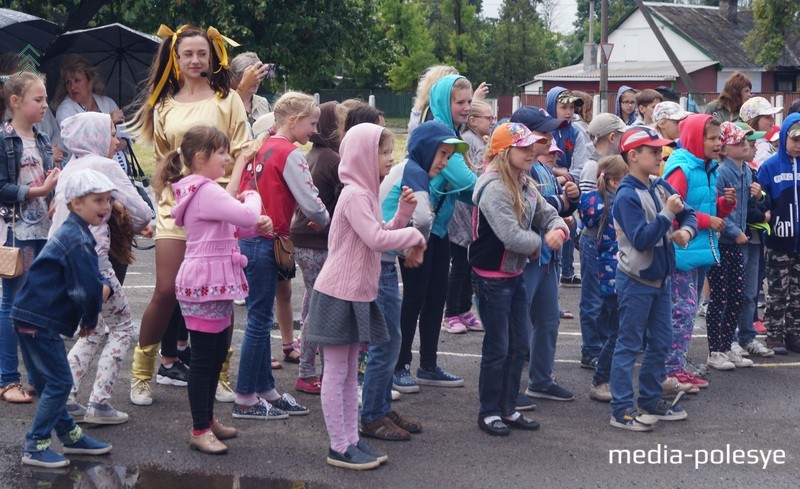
<point>743,431</point>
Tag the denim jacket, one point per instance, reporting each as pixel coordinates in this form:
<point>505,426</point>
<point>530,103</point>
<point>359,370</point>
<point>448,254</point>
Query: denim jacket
<point>64,285</point>
<point>10,154</point>
<point>730,176</point>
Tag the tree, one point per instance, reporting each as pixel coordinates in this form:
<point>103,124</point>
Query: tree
<point>775,21</point>
<point>412,45</point>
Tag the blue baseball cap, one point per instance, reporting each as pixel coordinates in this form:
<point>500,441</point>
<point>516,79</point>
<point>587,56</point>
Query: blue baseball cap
<point>537,119</point>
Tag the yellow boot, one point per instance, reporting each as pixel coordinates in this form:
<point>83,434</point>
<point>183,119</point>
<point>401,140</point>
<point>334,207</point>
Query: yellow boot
<point>144,366</point>
<point>224,391</point>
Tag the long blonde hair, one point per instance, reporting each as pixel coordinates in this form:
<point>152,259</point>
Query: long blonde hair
<point>70,65</point>
<point>290,104</point>
<point>515,184</point>
<point>426,81</point>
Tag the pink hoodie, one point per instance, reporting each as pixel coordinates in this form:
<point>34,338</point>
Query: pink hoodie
<point>358,234</point>
<point>212,267</point>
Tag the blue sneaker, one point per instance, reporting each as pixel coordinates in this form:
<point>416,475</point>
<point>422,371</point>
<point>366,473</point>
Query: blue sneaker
<point>287,404</point>
<point>379,455</point>
<point>45,458</point>
<point>524,403</point>
<point>665,410</point>
<point>260,410</point>
<point>86,445</point>
<point>438,377</point>
<point>632,420</point>
<point>554,393</point>
<point>403,382</point>
<point>352,458</point>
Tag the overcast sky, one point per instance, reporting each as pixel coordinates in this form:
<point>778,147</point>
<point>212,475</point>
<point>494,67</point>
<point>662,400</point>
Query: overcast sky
<point>566,9</point>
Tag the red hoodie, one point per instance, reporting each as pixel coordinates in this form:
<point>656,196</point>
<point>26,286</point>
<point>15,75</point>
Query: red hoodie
<point>693,140</point>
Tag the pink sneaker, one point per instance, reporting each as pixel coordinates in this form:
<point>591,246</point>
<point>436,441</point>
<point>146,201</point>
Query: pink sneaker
<point>471,322</point>
<point>452,324</point>
<point>686,377</point>
<point>759,327</point>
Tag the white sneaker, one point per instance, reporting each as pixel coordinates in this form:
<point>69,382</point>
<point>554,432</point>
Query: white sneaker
<point>719,361</point>
<point>759,349</point>
<point>738,361</point>
<point>737,348</point>
<point>224,392</point>
<point>601,392</point>
<point>673,386</point>
<point>360,391</point>
<point>141,393</point>
<point>395,395</point>
<point>239,302</point>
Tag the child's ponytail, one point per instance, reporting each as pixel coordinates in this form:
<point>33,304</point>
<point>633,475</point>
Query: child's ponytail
<point>198,143</point>
<point>609,168</point>
<point>170,171</point>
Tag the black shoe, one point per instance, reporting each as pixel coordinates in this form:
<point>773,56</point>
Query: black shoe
<point>793,343</point>
<point>588,361</point>
<point>495,428</point>
<point>573,281</point>
<point>177,375</point>
<point>186,356</point>
<point>522,423</point>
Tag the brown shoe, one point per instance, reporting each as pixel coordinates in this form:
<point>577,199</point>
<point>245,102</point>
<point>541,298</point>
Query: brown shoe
<point>384,429</point>
<point>223,432</point>
<point>407,424</point>
<point>208,443</point>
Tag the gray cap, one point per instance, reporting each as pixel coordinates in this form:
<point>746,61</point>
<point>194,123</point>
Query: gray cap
<point>605,123</point>
<point>87,181</point>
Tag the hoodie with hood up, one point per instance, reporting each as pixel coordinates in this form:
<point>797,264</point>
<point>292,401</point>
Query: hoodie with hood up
<point>618,106</point>
<point>212,268</point>
<point>88,137</point>
<point>323,163</point>
<point>695,179</point>
<point>456,180</point>
<point>413,173</point>
<point>576,144</point>
<point>357,233</point>
<point>779,177</point>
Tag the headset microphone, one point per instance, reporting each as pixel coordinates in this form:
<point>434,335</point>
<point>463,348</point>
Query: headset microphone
<point>204,74</point>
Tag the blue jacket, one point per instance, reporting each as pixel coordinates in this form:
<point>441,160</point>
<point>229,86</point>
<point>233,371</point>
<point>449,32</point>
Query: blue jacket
<point>729,176</point>
<point>566,139</point>
<point>551,190</point>
<point>64,285</point>
<point>456,181</point>
<point>591,208</point>
<point>10,154</point>
<point>701,196</point>
<point>779,178</point>
<point>644,225</point>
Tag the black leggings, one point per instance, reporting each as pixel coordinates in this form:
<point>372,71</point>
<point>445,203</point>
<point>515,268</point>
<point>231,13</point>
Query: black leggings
<point>169,342</point>
<point>424,294</point>
<point>208,354</point>
<point>459,287</point>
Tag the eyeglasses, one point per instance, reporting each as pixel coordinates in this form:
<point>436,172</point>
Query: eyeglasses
<point>628,102</point>
<point>487,117</point>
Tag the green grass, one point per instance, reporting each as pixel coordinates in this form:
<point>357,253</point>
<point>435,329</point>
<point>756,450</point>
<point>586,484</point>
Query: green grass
<point>147,158</point>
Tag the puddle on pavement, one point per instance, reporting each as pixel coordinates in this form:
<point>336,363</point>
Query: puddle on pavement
<point>90,475</point>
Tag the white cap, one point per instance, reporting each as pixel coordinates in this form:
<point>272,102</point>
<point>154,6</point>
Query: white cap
<point>87,181</point>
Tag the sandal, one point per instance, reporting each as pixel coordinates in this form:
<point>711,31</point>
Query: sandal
<point>276,364</point>
<point>291,352</point>
<point>384,429</point>
<point>18,394</point>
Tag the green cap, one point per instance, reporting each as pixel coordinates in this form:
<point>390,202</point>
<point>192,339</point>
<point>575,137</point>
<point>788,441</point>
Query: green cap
<point>461,146</point>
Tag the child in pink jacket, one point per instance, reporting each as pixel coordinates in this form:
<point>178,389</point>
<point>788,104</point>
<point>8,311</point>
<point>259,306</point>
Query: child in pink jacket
<point>211,276</point>
<point>343,310</point>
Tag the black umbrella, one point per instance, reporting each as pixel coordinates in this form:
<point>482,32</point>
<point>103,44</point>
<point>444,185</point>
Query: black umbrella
<point>19,30</point>
<point>121,55</point>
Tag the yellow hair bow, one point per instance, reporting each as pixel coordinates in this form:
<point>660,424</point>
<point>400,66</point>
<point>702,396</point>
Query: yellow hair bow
<point>218,41</point>
<point>165,32</point>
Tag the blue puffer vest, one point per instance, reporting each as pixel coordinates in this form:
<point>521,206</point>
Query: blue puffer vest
<point>701,195</point>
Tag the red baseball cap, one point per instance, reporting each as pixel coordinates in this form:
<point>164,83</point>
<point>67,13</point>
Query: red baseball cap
<point>638,136</point>
<point>773,134</point>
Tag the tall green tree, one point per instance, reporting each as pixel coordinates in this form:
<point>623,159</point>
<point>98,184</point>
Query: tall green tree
<point>775,21</point>
<point>406,24</point>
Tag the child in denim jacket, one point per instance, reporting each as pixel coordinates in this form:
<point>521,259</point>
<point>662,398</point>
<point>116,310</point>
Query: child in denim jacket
<point>64,289</point>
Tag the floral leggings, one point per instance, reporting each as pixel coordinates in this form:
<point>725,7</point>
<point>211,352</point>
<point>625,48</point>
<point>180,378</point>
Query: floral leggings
<point>116,315</point>
<point>684,308</point>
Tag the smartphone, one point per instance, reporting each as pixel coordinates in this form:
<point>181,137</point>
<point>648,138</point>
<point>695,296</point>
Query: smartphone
<point>488,85</point>
<point>271,70</point>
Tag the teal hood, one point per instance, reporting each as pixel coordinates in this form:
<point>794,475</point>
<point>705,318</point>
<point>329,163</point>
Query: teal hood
<point>440,100</point>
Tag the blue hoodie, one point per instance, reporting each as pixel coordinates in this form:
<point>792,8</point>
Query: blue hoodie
<point>456,181</point>
<point>618,108</point>
<point>413,173</point>
<point>572,141</point>
<point>779,178</point>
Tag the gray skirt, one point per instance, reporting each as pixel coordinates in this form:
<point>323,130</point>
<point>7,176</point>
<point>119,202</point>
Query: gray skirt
<point>333,321</point>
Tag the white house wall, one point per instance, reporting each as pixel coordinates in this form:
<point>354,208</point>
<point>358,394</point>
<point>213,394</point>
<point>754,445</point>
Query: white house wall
<point>755,78</point>
<point>634,41</point>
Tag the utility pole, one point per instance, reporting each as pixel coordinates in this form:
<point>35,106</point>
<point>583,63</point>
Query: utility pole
<point>687,81</point>
<point>603,60</point>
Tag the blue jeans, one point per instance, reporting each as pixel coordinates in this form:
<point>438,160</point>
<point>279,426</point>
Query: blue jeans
<point>641,307</point>
<point>747,332</point>
<point>376,391</point>
<point>46,362</point>
<point>592,332</point>
<point>255,369</point>
<point>502,302</point>
<point>541,296</point>
<point>609,318</point>
<point>9,361</point>
<point>568,256</point>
